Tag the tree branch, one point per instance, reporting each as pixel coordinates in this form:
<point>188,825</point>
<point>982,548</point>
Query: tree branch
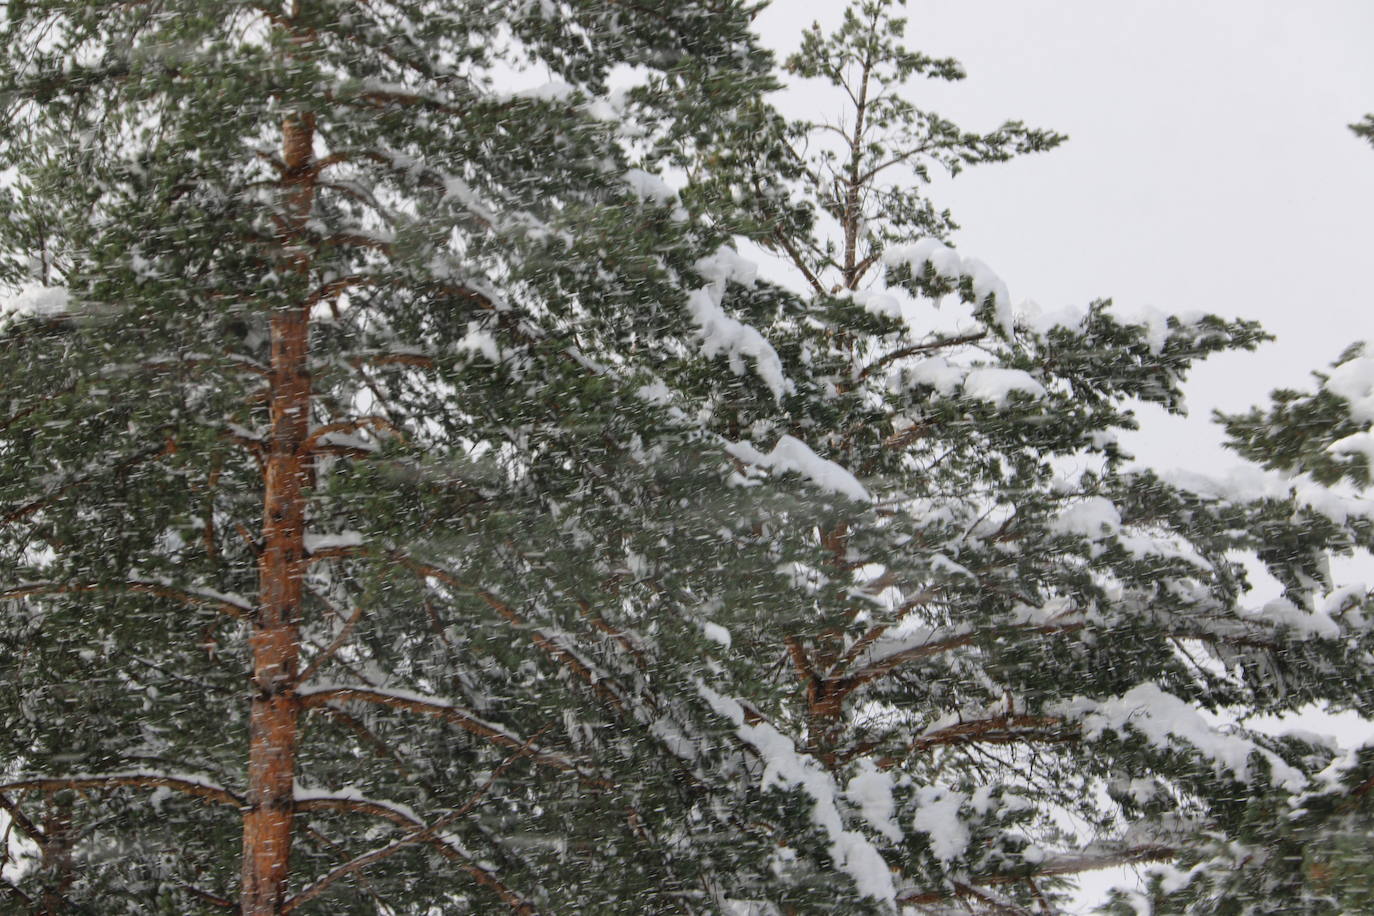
<point>20,820</point>
<point>208,791</point>
<point>329,650</point>
<point>161,590</point>
<point>429,834</point>
<point>432,707</point>
<point>1073,865</point>
<point>919,348</point>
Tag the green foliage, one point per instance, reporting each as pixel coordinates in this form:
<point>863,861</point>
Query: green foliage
<point>640,578</point>
<point>1364,128</point>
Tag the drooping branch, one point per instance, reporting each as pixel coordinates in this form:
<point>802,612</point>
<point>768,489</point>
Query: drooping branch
<point>1086,861</point>
<point>143,780</point>
<point>22,821</point>
<point>916,349</point>
<point>320,433</point>
<point>12,891</point>
<point>159,451</point>
<point>334,646</point>
<point>206,896</point>
<point>890,663</point>
<point>604,686</point>
<point>431,706</point>
<point>221,603</point>
<point>1009,729</point>
<point>431,834</point>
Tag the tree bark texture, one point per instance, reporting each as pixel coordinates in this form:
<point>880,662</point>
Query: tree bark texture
<point>275,641</point>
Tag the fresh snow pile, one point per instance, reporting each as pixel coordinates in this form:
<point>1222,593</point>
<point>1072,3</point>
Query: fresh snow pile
<point>716,633</point>
<point>1283,613</point>
<point>850,850</point>
<point>794,455</point>
<point>1093,518</point>
<point>937,816</point>
<point>871,792</point>
<point>35,300</point>
<point>997,385</point>
<point>1354,381</point>
<point>1166,721</point>
<point>878,303</point>
<point>649,187</point>
<point>1156,323</point>
<point>314,543</point>
<point>1356,444</point>
<point>948,264</point>
<point>1246,483</point>
<point>721,333</point>
<point>991,384</point>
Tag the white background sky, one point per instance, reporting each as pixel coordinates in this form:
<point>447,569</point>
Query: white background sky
<point>1208,166</point>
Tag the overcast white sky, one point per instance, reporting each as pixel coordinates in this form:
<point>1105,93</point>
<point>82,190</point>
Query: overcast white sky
<point>1208,167</point>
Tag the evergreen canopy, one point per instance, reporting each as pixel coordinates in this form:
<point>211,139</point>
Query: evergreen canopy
<point>411,502</point>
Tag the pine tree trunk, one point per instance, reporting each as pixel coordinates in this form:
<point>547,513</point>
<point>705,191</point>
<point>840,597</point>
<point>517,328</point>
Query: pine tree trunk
<point>273,723</point>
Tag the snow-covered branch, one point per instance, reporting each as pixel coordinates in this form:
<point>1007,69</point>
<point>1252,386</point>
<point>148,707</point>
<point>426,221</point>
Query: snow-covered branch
<point>144,779</point>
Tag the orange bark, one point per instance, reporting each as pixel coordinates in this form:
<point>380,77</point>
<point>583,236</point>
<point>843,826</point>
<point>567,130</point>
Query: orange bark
<point>275,641</point>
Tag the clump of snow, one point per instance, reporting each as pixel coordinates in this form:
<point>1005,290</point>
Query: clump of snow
<point>716,633</point>
<point>1353,380</point>
<point>727,265</point>
<point>929,252</point>
<point>720,333</point>
<point>793,455</point>
<point>937,816</point>
<point>1248,483</point>
<point>37,301</point>
<point>650,187</point>
<point>948,264</point>
<point>1143,546</point>
<point>553,91</point>
<point>1093,518</point>
<point>938,374</point>
<point>314,543</point>
<point>480,340</point>
<point>1282,612</point>
<point>1356,444</point>
<point>878,303</point>
<point>990,383</point>
<point>850,850</point>
<point>1155,322</point>
<point>1168,722</point>
<point>871,791</point>
<point>997,385</point>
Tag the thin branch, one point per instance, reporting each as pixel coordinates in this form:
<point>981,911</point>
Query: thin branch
<point>161,590</point>
<point>213,793</point>
<point>212,899</point>
<point>18,818</point>
<point>329,650</point>
<point>432,707</point>
<point>16,893</point>
<point>430,834</point>
<point>312,442</point>
<point>796,259</point>
<point>597,681</point>
<point>1073,865</point>
<point>919,348</point>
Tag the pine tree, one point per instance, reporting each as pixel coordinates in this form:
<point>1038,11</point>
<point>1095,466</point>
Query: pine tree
<point>992,634</point>
<point>327,405</point>
<point>411,503</point>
